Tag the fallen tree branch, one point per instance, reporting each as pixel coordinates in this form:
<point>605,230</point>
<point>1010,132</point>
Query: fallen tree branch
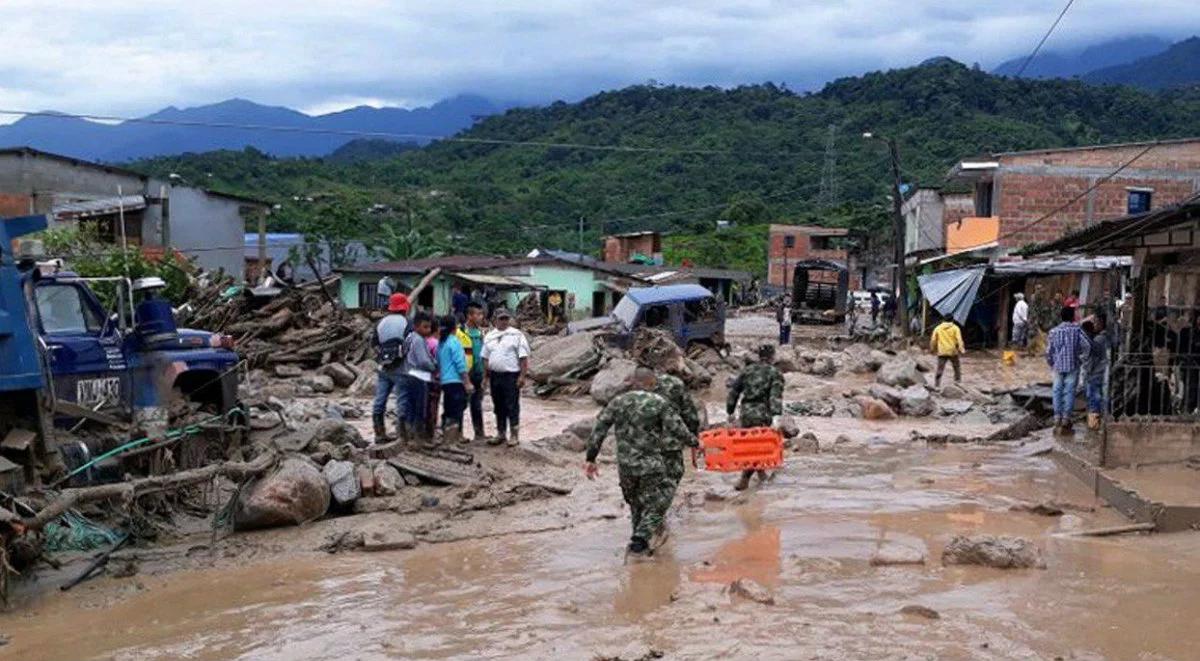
<point>127,491</point>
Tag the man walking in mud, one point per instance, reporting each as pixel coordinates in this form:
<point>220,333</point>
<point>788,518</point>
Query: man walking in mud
<point>760,388</point>
<point>672,389</point>
<point>644,426</point>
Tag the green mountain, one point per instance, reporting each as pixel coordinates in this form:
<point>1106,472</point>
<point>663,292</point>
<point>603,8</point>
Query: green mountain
<point>1178,66</point>
<point>690,156</point>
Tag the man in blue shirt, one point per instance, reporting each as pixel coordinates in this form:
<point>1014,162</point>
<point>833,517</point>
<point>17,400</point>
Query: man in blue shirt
<point>1065,348</point>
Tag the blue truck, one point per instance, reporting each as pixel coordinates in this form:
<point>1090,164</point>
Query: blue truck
<point>67,361</point>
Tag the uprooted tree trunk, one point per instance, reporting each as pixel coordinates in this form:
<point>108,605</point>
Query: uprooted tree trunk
<point>127,491</point>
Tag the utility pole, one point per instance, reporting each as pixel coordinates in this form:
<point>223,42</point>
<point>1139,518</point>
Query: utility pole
<point>900,277</point>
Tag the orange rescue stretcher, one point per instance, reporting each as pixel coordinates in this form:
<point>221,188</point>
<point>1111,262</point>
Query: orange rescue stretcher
<point>729,450</point>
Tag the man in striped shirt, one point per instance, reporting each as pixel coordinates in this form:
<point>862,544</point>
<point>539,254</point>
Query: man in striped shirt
<point>1065,349</point>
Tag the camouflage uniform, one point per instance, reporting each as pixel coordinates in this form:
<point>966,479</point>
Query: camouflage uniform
<point>760,387</point>
<point>645,426</point>
<point>672,389</point>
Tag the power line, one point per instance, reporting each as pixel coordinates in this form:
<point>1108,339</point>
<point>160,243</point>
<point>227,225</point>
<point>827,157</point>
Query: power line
<point>1044,38</point>
<point>388,134</point>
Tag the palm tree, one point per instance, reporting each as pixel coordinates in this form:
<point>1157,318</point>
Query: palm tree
<point>399,245</point>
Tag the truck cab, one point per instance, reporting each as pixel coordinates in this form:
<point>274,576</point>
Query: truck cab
<point>130,362</point>
<point>691,313</point>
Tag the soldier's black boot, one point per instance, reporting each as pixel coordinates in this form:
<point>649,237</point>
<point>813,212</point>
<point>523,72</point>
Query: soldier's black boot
<point>638,546</point>
<point>744,481</point>
<point>381,435</point>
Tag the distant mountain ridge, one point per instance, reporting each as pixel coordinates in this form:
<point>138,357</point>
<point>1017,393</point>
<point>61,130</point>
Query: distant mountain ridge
<point>132,140</point>
<point>1178,66</point>
<point>1069,64</point>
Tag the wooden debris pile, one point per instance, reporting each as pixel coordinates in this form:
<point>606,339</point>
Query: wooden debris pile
<point>301,325</point>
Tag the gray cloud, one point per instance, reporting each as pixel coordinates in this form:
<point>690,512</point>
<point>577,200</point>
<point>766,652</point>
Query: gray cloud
<point>134,56</point>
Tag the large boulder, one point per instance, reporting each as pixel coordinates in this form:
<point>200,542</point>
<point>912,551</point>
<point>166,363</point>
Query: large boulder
<point>612,380</point>
<point>1001,552</point>
<point>695,375</point>
<point>788,426</point>
<point>857,358</point>
<point>318,383</point>
<point>823,366</point>
<point>900,372</point>
<point>295,492</point>
<point>916,401</point>
<point>364,383</point>
<point>874,409</point>
<point>387,479</point>
<point>337,433</point>
<point>558,355</point>
<point>581,428</point>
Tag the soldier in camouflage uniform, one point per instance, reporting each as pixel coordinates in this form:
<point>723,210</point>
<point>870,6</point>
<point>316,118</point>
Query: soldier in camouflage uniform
<point>645,426</point>
<point>760,388</point>
<point>672,389</point>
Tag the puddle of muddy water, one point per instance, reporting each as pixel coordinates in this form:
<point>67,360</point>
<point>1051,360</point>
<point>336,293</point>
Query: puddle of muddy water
<point>807,536</point>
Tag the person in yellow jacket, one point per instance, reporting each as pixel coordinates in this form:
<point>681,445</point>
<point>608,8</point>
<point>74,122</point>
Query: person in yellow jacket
<point>947,343</point>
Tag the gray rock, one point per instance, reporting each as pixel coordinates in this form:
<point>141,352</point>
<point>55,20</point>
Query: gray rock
<point>857,358</point>
<point>806,442</point>
<point>336,433</point>
<point>786,362</point>
<point>612,380</point>
<point>343,482</point>
<point>820,408</point>
<point>887,394</point>
<point>383,532</point>
<point>823,366</point>
<point>750,589</point>
<point>900,372</point>
<point>891,553</point>
<point>955,406</point>
<point>954,391</point>
<point>581,428</point>
<point>876,359</point>
<point>696,375</point>
<point>364,382</point>
<point>926,363</point>
<point>916,401</point>
<point>291,494</point>
<point>788,426</point>
<point>918,610</point>
<point>387,479</point>
<point>1001,552</point>
<point>343,376</point>
<point>285,371</point>
<point>318,383</point>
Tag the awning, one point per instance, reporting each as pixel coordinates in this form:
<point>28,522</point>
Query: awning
<point>952,293</point>
<point>106,206</point>
<point>1063,264</point>
<point>617,287</point>
<point>498,281</point>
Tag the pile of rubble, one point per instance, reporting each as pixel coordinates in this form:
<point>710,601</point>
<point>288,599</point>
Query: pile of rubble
<point>301,325</point>
<point>585,362</point>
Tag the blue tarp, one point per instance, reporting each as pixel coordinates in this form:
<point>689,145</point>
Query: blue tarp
<point>952,292</point>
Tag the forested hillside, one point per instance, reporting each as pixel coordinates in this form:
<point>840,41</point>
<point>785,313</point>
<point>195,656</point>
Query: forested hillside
<point>754,154</point>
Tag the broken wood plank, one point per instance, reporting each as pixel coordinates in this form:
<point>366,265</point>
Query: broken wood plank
<point>437,469</point>
<point>18,439</point>
<point>1115,530</point>
<point>127,491</point>
<point>73,410</point>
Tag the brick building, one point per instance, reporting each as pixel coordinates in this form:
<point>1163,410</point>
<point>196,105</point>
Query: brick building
<point>788,244</point>
<point>642,247</point>
<point>1013,190</point>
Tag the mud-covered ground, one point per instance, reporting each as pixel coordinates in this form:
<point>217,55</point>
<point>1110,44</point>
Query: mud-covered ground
<point>547,577</point>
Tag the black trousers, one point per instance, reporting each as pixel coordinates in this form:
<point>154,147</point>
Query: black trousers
<point>506,400</point>
<point>476,400</point>
<point>454,402</point>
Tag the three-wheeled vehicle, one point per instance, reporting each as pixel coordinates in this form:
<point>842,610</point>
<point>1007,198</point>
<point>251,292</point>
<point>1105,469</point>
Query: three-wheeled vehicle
<point>691,313</point>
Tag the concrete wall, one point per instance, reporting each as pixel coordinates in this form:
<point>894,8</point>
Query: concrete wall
<point>580,282</point>
<point>209,228</point>
<point>1132,443</point>
<point>1029,186</point>
<point>924,221</point>
<point>781,260</point>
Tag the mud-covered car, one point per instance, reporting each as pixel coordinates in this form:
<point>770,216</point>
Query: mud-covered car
<point>690,312</point>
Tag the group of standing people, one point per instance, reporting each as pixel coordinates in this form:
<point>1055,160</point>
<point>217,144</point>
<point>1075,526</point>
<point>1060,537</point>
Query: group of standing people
<point>1072,350</point>
<point>425,360</point>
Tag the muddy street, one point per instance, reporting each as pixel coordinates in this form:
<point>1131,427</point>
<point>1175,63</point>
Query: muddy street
<point>807,536</point>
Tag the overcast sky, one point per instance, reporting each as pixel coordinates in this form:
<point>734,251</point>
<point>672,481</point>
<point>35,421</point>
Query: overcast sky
<point>135,56</point>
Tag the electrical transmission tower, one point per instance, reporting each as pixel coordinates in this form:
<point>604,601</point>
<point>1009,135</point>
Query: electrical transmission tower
<point>828,195</point>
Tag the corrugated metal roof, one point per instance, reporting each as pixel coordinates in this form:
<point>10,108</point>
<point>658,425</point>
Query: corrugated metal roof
<point>99,207</point>
<point>1102,235</point>
<point>952,292</point>
<point>1063,264</point>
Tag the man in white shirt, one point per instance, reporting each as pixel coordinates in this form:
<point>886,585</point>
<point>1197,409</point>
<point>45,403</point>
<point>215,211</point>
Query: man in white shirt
<point>1020,321</point>
<point>505,363</point>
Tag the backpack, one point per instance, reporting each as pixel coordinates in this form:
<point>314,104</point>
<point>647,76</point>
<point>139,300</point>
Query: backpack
<point>392,353</point>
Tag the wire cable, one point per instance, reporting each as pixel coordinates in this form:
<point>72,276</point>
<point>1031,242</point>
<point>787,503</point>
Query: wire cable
<point>1046,36</point>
